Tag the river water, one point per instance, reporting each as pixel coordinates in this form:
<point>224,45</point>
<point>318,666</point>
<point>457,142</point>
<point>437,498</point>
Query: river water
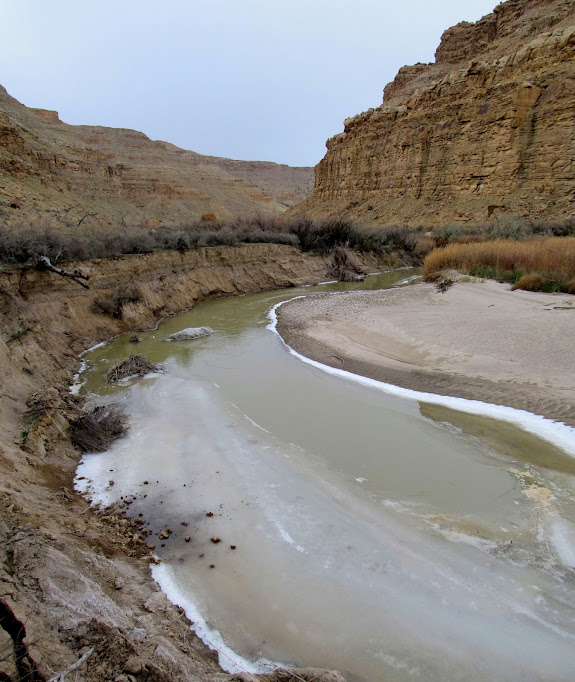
<point>386,537</point>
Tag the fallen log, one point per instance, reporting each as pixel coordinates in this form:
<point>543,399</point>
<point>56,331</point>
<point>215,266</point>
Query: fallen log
<point>45,264</point>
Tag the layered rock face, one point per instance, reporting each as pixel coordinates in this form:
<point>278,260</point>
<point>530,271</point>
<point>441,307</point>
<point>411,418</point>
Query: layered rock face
<point>488,129</point>
<point>105,176</point>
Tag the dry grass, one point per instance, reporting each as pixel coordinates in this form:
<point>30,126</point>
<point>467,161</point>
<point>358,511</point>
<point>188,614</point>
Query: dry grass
<point>548,264</point>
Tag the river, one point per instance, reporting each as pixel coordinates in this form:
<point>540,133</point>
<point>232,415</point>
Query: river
<point>358,530</point>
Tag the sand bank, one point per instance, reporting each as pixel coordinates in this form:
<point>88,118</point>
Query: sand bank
<point>478,340</point>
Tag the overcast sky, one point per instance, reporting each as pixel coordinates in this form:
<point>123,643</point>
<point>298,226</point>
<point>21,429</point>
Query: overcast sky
<point>247,79</point>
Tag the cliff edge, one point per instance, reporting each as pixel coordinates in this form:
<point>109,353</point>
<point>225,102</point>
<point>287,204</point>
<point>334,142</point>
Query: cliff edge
<point>488,128</point>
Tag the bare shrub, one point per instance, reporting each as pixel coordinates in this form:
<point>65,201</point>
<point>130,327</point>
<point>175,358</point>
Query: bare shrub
<point>131,366</point>
<point>448,233</point>
<point>97,430</point>
<point>424,245</point>
<point>444,284</point>
<point>509,226</point>
<point>345,266</point>
<point>112,303</point>
<point>306,232</point>
<point>64,241</point>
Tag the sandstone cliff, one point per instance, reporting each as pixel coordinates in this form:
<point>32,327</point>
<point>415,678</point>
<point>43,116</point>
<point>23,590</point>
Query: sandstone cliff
<point>53,171</point>
<point>489,128</point>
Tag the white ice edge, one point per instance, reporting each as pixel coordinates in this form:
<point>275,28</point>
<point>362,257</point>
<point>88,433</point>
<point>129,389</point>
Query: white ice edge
<point>88,350</point>
<point>77,384</point>
<point>229,660</point>
<point>557,433</point>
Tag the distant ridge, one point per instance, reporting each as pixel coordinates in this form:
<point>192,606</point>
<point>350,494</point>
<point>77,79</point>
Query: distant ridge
<point>93,175</point>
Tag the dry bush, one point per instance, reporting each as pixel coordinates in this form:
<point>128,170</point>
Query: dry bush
<point>131,366</point>
<point>468,238</point>
<point>97,430</point>
<point>112,303</point>
<point>444,284</point>
<point>345,266</point>
<point>23,243</point>
<point>424,245</point>
<point>531,282</point>
<point>552,259</point>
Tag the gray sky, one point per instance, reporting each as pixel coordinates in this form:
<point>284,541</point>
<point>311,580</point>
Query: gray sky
<point>247,79</point>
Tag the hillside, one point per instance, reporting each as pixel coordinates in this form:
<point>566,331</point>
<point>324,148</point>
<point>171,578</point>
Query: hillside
<point>97,176</point>
<point>488,129</point>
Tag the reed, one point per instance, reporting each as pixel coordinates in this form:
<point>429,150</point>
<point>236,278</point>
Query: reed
<point>534,264</point>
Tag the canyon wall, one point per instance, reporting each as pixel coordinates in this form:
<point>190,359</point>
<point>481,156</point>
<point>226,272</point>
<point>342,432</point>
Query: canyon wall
<point>487,130</point>
<point>95,176</point>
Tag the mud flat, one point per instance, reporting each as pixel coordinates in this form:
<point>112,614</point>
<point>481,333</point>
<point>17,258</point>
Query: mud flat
<point>478,340</point>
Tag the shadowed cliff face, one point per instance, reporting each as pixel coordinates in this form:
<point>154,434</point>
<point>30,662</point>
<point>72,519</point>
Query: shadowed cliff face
<point>63,173</point>
<point>488,128</point>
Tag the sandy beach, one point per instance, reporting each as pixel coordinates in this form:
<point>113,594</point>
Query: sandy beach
<point>479,340</point>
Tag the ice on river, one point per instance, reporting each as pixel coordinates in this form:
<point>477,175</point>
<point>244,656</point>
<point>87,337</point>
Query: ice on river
<point>328,571</point>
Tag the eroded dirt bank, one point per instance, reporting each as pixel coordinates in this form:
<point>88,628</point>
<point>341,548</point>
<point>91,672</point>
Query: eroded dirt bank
<point>71,578</point>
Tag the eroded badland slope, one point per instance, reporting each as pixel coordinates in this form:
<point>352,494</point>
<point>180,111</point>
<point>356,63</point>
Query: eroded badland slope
<point>487,129</point>
<point>99,176</point>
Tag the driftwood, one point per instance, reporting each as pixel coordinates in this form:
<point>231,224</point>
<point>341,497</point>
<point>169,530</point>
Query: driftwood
<point>45,264</point>
<point>131,366</point>
<point>95,431</point>
<point>61,676</point>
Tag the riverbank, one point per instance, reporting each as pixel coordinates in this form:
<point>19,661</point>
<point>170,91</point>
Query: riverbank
<point>75,579</point>
<point>477,340</point>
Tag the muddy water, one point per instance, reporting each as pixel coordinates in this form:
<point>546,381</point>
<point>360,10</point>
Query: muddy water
<point>383,537</point>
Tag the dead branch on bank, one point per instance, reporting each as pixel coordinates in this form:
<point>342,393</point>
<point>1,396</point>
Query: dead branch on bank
<point>60,677</point>
<point>45,264</point>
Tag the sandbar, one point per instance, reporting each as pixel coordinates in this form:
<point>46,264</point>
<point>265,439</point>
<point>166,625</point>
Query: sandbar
<point>478,340</point>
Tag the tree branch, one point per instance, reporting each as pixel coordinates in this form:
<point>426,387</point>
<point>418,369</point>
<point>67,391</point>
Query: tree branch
<point>60,677</point>
<point>45,264</point>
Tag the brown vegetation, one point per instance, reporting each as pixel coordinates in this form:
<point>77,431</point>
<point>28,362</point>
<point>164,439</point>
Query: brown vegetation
<point>535,264</point>
<point>133,365</point>
<point>24,244</point>
<point>112,303</point>
<point>96,430</point>
<point>345,265</point>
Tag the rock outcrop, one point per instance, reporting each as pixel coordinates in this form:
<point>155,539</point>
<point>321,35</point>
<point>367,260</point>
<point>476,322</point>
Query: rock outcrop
<point>97,176</point>
<point>489,128</point>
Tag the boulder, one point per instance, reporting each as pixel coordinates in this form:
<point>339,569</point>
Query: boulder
<point>190,333</point>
